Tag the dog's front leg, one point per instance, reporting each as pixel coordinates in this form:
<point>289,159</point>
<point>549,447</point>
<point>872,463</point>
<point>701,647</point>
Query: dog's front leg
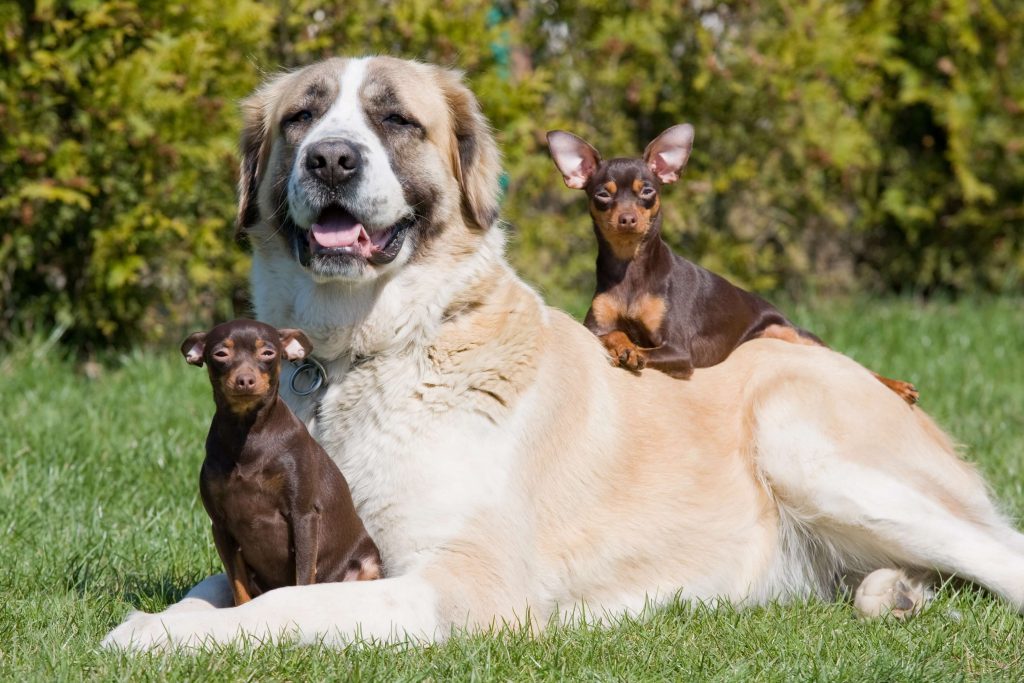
<point>403,608</point>
<point>306,535</point>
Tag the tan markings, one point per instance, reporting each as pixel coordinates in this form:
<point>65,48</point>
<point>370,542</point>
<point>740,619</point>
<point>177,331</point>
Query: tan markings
<point>611,187</point>
<point>638,184</point>
<point>787,334</point>
<point>240,579</point>
<point>273,484</point>
<point>229,343</point>
<point>905,390</point>
<point>624,353</point>
<point>649,310</point>
<point>607,310</point>
<point>260,344</point>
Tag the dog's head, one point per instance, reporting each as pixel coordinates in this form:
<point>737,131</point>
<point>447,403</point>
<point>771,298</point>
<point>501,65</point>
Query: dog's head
<point>243,358</point>
<point>623,193</point>
<point>354,165</point>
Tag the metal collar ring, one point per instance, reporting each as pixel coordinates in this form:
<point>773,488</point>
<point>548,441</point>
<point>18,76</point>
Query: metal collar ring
<point>314,377</point>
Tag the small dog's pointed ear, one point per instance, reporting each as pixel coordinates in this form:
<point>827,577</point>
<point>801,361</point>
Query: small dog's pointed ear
<point>193,347</point>
<point>575,158</point>
<point>668,153</point>
<point>296,344</point>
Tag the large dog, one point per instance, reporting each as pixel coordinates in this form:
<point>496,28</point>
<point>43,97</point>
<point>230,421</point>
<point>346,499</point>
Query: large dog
<point>503,465</point>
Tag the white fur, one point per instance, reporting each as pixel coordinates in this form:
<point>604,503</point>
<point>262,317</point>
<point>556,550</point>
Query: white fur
<point>377,199</point>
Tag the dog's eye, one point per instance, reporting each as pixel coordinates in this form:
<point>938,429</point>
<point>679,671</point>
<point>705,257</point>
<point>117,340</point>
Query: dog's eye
<point>603,196</point>
<point>267,353</point>
<point>221,354</point>
<point>396,119</point>
<point>304,116</point>
<point>647,192</point>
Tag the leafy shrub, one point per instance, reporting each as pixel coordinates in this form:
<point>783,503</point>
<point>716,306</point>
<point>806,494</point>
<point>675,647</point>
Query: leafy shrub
<point>840,146</point>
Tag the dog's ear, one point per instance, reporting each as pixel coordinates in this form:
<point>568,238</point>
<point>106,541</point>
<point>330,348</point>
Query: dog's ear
<point>255,150</point>
<point>668,153</point>
<point>575,158</point>
<point>296,344</point>
<point>475,156</point>
<point>193,347</point>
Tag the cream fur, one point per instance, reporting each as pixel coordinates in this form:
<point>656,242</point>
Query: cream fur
<point>503,466</point>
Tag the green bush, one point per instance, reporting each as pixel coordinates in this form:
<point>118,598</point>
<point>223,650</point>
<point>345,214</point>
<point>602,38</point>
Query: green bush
<point>840,146</point>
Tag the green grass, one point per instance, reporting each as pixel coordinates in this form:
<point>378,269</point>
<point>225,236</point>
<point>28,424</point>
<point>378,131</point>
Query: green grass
<point>99,513</point>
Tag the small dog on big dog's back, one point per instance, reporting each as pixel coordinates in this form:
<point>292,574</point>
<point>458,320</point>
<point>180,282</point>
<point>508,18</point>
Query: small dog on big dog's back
<point>282,512</point>
<point>653,308</point>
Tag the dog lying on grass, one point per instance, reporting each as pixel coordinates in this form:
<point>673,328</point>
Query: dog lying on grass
<point>652,307</point>
<point>281,510</point>
<point>506,470</point>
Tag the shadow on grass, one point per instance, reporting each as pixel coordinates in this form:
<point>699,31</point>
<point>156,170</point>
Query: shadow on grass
<point>148,591</point>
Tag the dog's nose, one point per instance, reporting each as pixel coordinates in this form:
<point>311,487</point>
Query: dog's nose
<point>627,219</point>
<point>333,161</point>
<point>245,381</point>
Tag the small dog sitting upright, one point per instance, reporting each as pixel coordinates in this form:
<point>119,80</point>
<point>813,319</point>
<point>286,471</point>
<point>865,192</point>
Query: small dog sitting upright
<point>653,308</point>
<point>282,512</point>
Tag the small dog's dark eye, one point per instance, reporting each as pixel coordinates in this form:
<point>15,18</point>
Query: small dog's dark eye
<point>221,354</point>
<point>304,116</point>
<point>396,119</point>
<point>602,195</point>
<point>268,353</point>
<point>647,192</point>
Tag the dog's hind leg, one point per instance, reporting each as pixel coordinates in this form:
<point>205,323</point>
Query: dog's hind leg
<point>881,485</point>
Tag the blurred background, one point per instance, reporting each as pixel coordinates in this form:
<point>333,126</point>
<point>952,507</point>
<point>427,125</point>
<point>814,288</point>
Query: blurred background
<point>863,148</point>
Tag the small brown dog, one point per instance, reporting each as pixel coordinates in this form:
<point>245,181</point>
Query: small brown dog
<point>653,308</point>
<point>282,511</point>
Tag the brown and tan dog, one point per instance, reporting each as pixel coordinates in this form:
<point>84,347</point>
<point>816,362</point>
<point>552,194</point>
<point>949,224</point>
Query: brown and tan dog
<point>281,509</point>
<point>653,308</point>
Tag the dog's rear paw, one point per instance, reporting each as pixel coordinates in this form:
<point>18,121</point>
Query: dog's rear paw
<point>890,592</point>
<point>905,390</point>
<point>908,392</point>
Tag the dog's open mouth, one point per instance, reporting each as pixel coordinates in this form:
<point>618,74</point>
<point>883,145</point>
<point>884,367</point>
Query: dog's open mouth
<point>337,234</point>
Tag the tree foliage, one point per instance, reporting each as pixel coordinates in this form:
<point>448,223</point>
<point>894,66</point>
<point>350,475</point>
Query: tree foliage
<point>853,145</point>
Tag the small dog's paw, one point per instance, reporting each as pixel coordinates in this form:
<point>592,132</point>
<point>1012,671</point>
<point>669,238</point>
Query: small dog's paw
<point>139,631</point>
<point>908,392</point>
<point>631,358</point>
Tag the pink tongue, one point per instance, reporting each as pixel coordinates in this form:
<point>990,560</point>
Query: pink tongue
<point>338,228</point>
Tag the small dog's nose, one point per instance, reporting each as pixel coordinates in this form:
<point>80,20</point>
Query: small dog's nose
<point>245,380</point>
<point>333,161</point>
<point>627,220</point>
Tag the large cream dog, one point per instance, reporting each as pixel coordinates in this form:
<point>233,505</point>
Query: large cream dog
<point>502,465</point>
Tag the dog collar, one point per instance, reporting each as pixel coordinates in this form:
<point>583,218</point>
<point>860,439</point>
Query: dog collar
<point>308,377</point>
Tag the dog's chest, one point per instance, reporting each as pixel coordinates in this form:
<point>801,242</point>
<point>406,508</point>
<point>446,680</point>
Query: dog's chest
<point>642,313</point>
<point>420,456</point>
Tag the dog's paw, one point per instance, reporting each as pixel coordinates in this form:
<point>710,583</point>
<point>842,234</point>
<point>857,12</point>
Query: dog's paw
<point>908,392</point>
<point>905,390</point>
<point>140,631</point>
<point>631,358</point>
<point>890,592</point>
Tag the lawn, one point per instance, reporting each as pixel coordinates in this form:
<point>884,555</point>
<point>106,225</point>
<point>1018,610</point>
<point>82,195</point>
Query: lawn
<point>99,513</point>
